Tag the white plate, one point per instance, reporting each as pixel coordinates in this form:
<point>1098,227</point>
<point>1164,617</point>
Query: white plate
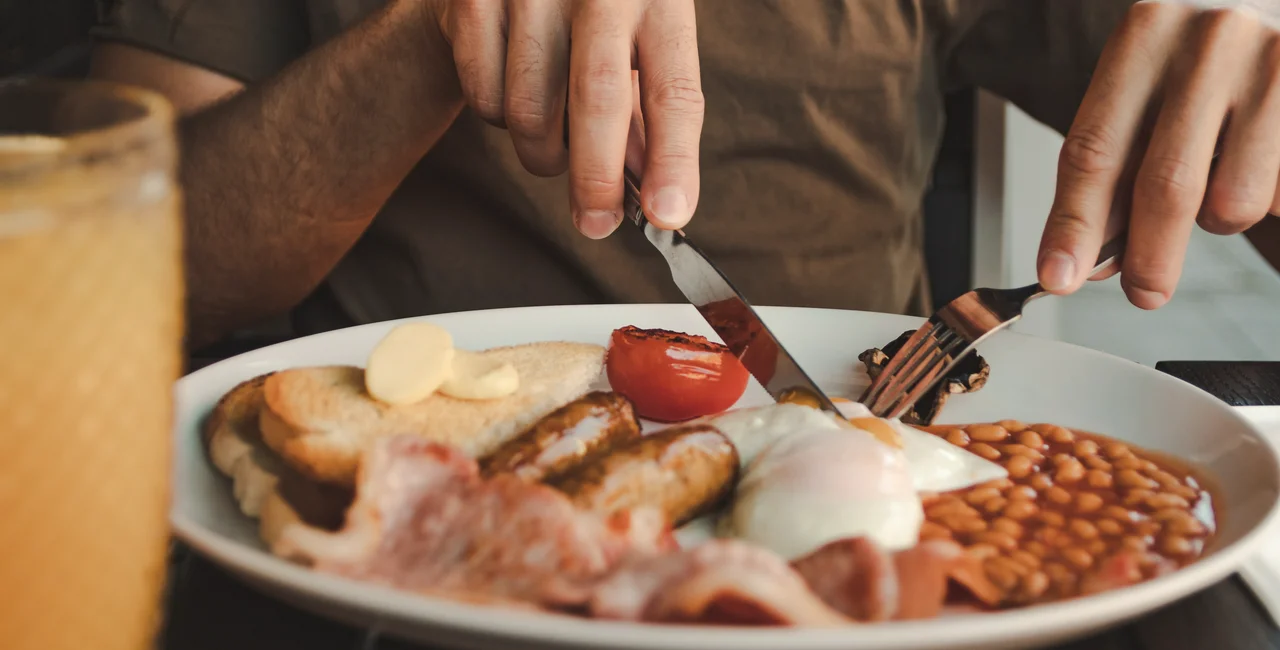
<point>1031,380</point>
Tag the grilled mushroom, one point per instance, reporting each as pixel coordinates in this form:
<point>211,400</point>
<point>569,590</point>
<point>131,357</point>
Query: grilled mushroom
<point>967,377</point>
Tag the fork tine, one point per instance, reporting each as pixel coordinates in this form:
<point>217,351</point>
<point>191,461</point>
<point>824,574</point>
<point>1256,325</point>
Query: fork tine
<point>950,355</point>
<point>908,350</point>
<point>924,362</point>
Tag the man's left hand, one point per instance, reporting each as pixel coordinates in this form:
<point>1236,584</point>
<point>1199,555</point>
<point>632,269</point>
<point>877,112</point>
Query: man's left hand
<point>1180,125</point>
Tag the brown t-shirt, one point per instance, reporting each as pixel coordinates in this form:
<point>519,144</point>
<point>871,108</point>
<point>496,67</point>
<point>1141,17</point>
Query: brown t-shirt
<point>823,121</point>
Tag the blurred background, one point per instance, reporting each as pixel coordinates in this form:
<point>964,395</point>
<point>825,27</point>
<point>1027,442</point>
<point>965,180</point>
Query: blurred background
<point>992,188</point>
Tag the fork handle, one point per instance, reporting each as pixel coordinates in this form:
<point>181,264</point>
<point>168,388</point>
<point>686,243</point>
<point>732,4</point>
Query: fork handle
<point>1110,253</point>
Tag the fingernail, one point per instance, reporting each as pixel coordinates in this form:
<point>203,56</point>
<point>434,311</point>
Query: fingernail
<point>669,207</point>
<point>597,224</point>
<point>1144,299</point>
<point>1057,271</point>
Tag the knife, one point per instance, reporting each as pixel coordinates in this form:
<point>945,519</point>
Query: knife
<point>726,311</point>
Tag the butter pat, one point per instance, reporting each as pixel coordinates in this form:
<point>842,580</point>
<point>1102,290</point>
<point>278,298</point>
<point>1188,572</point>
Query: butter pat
<point>409,364</point>
<point>475,376</point>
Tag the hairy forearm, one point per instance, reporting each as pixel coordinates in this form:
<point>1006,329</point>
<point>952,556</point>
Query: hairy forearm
<point>281,179</point>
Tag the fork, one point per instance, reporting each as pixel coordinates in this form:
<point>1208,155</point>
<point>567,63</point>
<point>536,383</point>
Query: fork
<point>930,354</point>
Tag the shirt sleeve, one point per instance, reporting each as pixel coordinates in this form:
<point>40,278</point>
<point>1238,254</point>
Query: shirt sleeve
<point>243,39</point>
<point>1038,54</point>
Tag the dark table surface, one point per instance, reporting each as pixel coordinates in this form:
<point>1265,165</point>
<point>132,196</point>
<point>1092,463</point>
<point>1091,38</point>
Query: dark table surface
<point>208,609</point>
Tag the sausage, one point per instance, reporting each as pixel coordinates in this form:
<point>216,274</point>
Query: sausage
<point>583,428</point>
<point>682,471</point>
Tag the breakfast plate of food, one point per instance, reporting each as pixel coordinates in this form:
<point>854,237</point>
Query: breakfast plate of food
<point>612,477</point>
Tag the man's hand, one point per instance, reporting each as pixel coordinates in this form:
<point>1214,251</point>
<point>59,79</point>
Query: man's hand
<point>1178,85</point>
<point>517,69</point>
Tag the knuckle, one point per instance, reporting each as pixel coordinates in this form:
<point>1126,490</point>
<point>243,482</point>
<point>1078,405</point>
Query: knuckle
<point>596,187</point>
<point>528,115</point>
<point>1168,177</point>
<point>603,88</point>
<point>680,95</point>
<point>1066,222</point>
<point>1090,150</point>
<point>1229,211</point>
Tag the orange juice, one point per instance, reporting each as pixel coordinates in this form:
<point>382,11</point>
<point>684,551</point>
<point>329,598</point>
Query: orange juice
<point>90,332</point>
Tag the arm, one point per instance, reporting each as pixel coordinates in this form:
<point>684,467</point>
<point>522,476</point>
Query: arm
<point>282,178</point>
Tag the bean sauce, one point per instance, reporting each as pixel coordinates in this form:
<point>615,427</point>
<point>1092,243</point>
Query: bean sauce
<point>1074,505</point>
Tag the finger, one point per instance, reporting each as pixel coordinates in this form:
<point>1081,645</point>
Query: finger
<point>1243,186</point>
<point>600,103</point>
<point>537,75</point>
<point>671,95</point>
<point>1097,149</point>
<point>479,50</point>
<point>1171,182</point>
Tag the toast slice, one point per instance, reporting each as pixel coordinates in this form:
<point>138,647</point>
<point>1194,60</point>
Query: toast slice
<point>262,484</point>
<point>321,419</point>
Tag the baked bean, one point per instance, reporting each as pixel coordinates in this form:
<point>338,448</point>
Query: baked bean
<point>1084,448</point>
<point>965,524</point>
<point>982,551</point>
<point>1136,543</point>
<point>931,530</point>
<point>1127,462</point>
<point>1097,478</point>
<point>988,433</point>
<point>1128,478</point>
<point>1114,450</point>
<point>995,506</point>
<point>1082,529</point>
<point>1187,492</point>
<point>1070,472</point>
<point>1035,548</point>
<point>1077,557</point>
<point>1031,440</point>
<point>981,495</point>
<point>1166,480</point>
<point>1188,526</point>
<point>1146,527</point>
<point>1096,547</point>
<point>1029,560</point>
<point>1002,575</point>
<point>1175,545</point>
<point>1165,500</point>
<point>1051,518</point>
<point>1061,459</point>
<point>1109,526</point>
<point>984,450</point>
<point>1040,481</point>
<point>1116,512</point>
<point>1087,502</point>
<point>1055,433</point>
<point>1017,567</point>
<point>1019,492</point>
<point>1034,584</point>
<point>1020,467</point>
<point>1016,449</point>
<point>1056,571</point>
<point>1007,526</point>
<point>1019,510</point>
<point>1095,462</point>
<point>1002,541</point>
<point>948,506</point>
<point>1058,495</point>
<point>1013,426</point>
<point>999,484</point>
<point>958,437</point>
<point>1149,467</point>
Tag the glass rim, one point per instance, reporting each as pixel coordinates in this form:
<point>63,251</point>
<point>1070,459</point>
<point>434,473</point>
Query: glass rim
<point>154,121</point>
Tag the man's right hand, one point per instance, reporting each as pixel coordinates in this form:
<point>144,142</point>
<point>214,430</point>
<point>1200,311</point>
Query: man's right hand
<point>517,68</point>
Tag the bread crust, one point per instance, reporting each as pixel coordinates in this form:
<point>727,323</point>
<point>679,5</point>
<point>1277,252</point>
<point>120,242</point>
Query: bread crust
<point>320,420</point>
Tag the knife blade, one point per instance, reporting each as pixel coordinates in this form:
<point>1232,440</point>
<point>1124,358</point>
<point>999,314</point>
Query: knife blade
<point>726,310</point>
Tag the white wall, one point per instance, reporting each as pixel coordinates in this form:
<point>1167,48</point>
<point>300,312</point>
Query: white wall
<point>1228,303</point>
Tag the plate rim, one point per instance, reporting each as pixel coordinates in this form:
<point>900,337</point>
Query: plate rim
<point>1061,618</point>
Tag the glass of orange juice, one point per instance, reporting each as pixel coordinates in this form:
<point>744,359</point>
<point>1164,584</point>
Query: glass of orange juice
<point>91,305</point>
